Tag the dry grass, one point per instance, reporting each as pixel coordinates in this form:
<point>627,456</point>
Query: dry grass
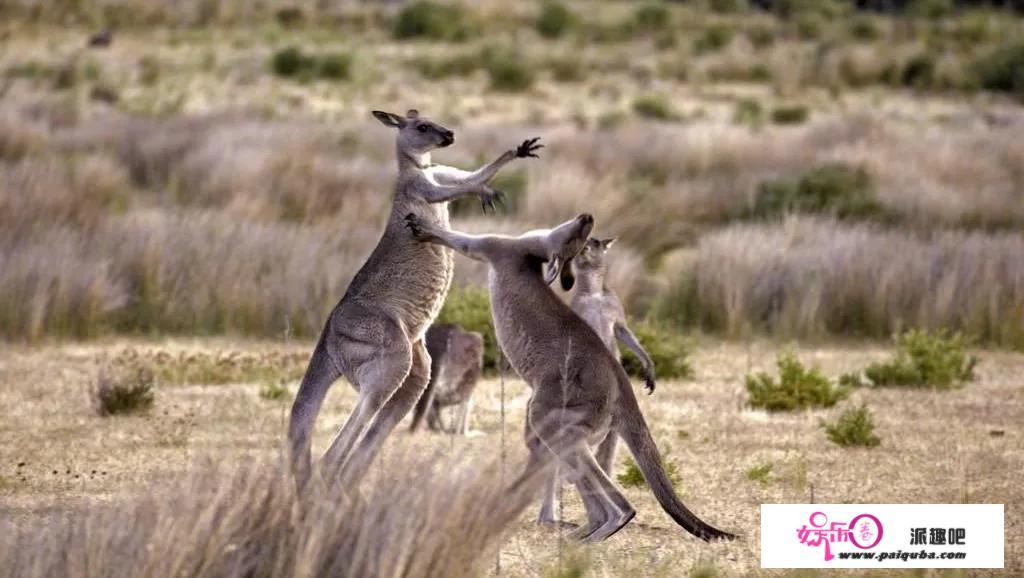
<point>810,277</point>
<point>938,447</point>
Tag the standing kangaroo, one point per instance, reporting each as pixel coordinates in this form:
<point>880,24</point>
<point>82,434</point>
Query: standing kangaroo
<point>569,368</point>
<point>600,307</point>
<point>374,336</point>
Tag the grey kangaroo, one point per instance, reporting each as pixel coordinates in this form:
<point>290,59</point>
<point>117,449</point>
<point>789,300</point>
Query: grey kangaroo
<point>570,370</point>
<point>456,361</point>
<point>600,307</point>
<point>374,336</point>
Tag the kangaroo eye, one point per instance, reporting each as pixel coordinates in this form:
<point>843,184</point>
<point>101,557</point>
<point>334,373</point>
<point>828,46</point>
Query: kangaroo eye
<point>422,128</point>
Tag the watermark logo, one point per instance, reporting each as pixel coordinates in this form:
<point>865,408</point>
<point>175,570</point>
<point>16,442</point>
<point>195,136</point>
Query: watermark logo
<point>864,531</point>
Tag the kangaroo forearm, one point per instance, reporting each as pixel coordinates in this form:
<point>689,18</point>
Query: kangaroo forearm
<point>484,174</point>
<point>472,246</point>
<point>626,336</point>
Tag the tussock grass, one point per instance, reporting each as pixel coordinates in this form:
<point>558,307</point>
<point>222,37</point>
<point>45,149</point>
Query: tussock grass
<point>926,359</point>
<point>797,387</point>
<point>122,390</point>
<point>855,427</point>
<point>210,367</point>
<point>248,520</point>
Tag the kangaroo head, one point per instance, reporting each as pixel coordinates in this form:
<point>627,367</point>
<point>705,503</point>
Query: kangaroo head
<point>564,242</point>
<point>592,259</point>
<point>416,134</point>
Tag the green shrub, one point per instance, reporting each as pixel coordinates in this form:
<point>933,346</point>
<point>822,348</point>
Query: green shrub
<point>632,477</point>
<point>713,38</point>
<point>470,307</point>
<point>554,19</point>
<point>458,65</point>
<point>749,112</point>
<point>790,114</point>
<point>274,391</point>
<point>667,348</point>
<point>796,388</point>
<point>149,70</point>
<point>727,6</point>
<point>654,106</point>
<point>426,19</point>
<point>123,390</point>
<point>290,61</point>
<point>334,66</point>
<point>864,28</point>
<point>842,191</point>
<point>760,474</point>
<point>1001,70</point>
<point>926,359</point>
<point>508,71</point>
<point>809,26</point>
<point>761,36</point>
<point>289,16</point>
<point>919,72</point>
<point>651,16</point>
<point>855,427</point>
<point>566,69</point>
<point>932,9</point>
<point>851,380</point>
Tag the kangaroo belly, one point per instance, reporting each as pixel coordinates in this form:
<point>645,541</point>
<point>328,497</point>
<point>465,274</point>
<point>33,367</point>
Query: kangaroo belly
<point>405,278</point>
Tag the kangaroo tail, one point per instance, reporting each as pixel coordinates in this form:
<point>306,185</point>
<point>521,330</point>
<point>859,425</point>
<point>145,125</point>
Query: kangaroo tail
<point>320,375</point>
<point>634,431</point>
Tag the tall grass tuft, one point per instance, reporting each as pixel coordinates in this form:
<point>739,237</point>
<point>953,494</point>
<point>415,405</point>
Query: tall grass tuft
<point>422,519</point>
<point>926,359</point>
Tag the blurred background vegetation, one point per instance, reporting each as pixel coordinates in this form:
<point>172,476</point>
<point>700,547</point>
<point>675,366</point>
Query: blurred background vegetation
<point>797,168</point>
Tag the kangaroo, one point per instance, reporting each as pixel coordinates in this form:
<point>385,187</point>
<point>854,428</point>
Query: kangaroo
<point>456,363</point>
<point>374,336</point>
<point>600,307</point>
<point>569,369</point>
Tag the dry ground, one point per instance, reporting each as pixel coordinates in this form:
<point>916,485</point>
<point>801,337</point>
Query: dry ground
<point>936,447</point>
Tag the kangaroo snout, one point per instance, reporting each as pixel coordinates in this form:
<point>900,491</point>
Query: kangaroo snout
<point>447,138</point>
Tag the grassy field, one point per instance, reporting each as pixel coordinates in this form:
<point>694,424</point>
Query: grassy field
<point>59,457</point>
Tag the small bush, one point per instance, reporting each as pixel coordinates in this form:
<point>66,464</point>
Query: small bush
<point>149,70</point>
<point>749,112</point>
<point>334,66</point>
<point>926,359</point>
<point>470,307</point>
<point>425,19</point>
<point>760,474</point>
<point>274,391</point>
<point>796,388</point>
<point>761,36</point>
<point>121,390</point>
<point>713,38</point>
<point>855,427</point>
<point>554,19</point>
<point>508,71</point>
<point>727,6</point>
<point>1002,70</point>
<point>919,72</point>
<point>851,380</point>
<point>790,114</point>
<point>566,69</point>
<point>932,9</point>
<point>651,16</point>
<point>289,15</point>
<point>290,61</point>
<point>809,26</point>
<point>632,477</point>
<point>864,29</point>
<point>654,106</point>
<point>839,190</point>
<point>667,348</point>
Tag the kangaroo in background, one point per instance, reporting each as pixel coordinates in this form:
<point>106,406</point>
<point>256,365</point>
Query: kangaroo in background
<point>457,358</point>
<point>600,307</point>
<point>572,373</point>
<point>374,336</point>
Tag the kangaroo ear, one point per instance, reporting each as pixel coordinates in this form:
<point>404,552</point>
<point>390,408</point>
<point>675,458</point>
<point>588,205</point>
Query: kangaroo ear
<point>607,243</point>
<point>567,276</point>
<point>389,119</point>
<point>554,267</point>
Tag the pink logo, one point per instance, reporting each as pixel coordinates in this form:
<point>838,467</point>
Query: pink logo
<point>863,531</point>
